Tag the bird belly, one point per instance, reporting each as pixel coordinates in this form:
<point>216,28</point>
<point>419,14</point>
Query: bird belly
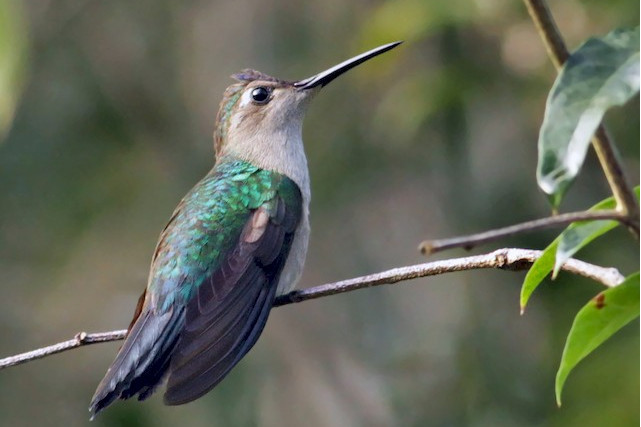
<point>293,268</point>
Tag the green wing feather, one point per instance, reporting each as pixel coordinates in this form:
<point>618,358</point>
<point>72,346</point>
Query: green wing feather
<point>213,279</point>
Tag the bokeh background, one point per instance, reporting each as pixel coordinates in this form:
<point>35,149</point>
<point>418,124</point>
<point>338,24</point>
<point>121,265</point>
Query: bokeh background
<point>112,125</point>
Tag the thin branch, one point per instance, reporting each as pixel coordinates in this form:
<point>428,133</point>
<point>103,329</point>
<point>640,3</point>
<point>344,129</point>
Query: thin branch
<point>621,189</point>
<point>548,31</point>
<point>429,247</point>
<point>604,148</point>
<point>81,339</point>
<point>506,259</point>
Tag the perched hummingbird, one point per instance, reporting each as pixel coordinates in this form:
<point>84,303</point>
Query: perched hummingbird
<point>236,241</point>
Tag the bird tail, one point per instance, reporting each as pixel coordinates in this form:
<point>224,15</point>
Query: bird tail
<point>142,361</point>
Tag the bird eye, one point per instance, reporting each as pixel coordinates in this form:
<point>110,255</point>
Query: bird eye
<point>260,95</point>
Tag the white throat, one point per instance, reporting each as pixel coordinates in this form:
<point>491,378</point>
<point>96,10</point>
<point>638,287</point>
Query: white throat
<point>274,141</point>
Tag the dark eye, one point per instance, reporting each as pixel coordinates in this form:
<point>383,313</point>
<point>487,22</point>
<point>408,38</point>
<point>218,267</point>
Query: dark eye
<point>260,95</point>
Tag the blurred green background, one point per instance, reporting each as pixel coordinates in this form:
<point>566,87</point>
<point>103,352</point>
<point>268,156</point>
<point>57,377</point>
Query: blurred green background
<point>113,106</point>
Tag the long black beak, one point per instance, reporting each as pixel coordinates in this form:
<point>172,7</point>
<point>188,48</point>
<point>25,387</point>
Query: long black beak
<point>323,78</point>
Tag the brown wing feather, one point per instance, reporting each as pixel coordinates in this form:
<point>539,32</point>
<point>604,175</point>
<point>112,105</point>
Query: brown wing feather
<point>229,311</point>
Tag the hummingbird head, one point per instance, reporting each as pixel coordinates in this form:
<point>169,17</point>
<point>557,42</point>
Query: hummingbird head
<point>258,104</point>
<point>260,117</point>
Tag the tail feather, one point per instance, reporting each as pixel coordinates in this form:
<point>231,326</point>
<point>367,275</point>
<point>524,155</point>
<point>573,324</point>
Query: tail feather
<point>142,360</point>
<point>148,379</point>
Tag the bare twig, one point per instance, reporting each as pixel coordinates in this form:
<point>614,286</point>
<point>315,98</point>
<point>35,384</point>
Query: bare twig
<point>429,247</point>
<point>507,259</point>
<point>604,148</point>
<point>621,189</point>
<point>81,339</point>
<point>548,31</point>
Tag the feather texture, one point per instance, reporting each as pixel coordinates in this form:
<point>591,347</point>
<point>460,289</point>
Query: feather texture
<point>229,311</point>
<point>212,283</point>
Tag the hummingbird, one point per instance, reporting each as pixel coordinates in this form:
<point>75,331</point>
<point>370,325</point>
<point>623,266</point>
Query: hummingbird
<point>235,242</point>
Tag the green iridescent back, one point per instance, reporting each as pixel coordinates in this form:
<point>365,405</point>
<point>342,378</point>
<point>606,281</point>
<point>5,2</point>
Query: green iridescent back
<point>207,224</point>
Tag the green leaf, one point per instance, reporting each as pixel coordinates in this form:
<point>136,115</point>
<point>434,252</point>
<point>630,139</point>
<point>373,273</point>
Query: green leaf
<point>539,271</point>
<point>13,52</point>
<point>575,238</point>
<point>602,73</point>
<point>597,321</point>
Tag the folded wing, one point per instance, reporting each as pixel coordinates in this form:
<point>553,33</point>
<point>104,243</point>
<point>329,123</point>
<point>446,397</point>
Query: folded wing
<point>229,311</point>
